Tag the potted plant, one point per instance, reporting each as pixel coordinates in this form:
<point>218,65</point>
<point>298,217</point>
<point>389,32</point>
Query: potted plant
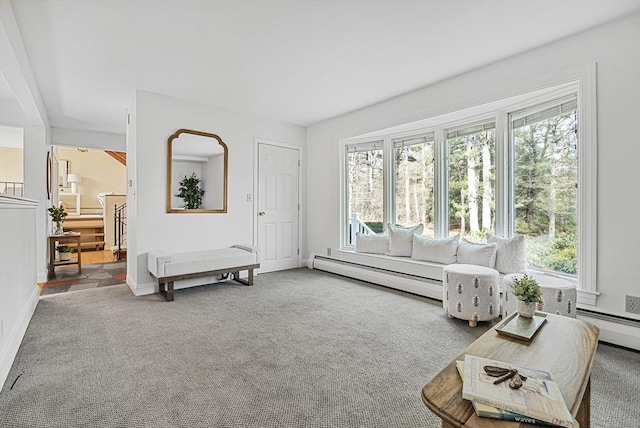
<point>528,293</point>
<point>191,192</point>
<point>57,215</point>
<point>65,252</point>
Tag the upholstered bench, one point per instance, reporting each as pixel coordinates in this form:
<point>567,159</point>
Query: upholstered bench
<point>559,295</point>
<point>167,267</point>
<point>471,292</point>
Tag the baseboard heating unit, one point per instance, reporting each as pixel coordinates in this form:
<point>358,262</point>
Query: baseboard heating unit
<point>367,269</point>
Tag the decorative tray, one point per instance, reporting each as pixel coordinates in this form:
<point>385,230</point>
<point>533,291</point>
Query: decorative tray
<point>520,327</point>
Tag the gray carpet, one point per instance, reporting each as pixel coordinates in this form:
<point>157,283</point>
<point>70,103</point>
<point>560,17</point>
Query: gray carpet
<point>300,348</point>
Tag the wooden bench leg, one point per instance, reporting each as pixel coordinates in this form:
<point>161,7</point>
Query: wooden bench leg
<point>170,291</point>
<point>236,277</point>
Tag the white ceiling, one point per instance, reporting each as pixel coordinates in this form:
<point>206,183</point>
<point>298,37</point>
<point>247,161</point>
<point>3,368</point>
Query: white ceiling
<point>298,62</point>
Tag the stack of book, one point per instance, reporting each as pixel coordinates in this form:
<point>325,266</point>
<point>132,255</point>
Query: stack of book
<point>538,401</point>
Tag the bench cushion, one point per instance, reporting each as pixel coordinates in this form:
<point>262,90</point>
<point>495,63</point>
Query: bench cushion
<point>163,265</point>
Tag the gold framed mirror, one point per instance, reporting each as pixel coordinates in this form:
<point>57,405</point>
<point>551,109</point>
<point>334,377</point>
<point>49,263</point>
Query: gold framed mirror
<point>196,172</point>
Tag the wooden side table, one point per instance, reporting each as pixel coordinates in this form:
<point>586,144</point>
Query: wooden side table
<point>67,238</point>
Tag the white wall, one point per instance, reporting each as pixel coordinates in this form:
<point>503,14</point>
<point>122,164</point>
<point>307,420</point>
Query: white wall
<point>615,47</point>
<point>156,117</point>
<point>19,290</point>
<point>88,139</point>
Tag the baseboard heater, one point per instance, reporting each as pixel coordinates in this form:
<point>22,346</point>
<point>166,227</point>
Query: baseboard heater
<point>398,280</point>
<point>616,330</point>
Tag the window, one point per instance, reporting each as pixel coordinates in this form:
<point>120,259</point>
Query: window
<point>365,189</point>
<point>414,181</point>
<point>544,140</point>
<point>524,165</point>
<point>471,184</point>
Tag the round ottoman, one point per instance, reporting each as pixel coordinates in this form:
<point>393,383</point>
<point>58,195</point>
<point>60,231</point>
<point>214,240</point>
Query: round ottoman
<point>559,295</point>
<point>471,292</point>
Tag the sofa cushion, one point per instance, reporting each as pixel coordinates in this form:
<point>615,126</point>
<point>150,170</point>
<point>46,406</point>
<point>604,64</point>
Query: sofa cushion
<point>511,254</point>
<point>477,254</point>
<point>401,239</point>
<point>435,250</point>
<point>372,244</point>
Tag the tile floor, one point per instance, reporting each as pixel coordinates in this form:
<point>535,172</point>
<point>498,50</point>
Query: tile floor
<point>94,275</point>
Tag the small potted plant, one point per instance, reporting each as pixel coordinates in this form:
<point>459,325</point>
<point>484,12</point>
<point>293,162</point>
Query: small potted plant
<point>57,215</point>
<point>528,293</point>
<point>191,192</point>
<point>65,252</point>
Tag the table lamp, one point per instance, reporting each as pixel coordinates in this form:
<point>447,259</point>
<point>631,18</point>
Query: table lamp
<point>74,179</point>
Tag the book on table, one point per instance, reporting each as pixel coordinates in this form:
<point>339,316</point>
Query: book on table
<point>487,411</point>
<point>538,399</point>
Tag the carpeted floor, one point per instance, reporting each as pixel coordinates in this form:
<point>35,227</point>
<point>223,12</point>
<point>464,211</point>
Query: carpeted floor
<point>92,276</point>
<point>300,348</point>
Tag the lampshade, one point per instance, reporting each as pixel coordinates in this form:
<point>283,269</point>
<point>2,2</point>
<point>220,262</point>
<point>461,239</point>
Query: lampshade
<point>74,178</point>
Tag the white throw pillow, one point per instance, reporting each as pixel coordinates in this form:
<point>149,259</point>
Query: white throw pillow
<point>477,254</point>
<point>372,244</point>
<point>511,255</point>
<point>401,239</point>
<point>435,250</point>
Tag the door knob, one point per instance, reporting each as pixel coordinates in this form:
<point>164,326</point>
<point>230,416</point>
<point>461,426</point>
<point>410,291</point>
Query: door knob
<point>261,213</point>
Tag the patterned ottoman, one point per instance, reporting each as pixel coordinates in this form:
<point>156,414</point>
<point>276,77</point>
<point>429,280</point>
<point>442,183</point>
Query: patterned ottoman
<point>471,292</point>
<point>559,295</point>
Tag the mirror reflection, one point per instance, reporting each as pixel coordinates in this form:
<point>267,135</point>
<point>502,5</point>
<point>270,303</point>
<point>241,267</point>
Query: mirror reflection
<point>196,173</point>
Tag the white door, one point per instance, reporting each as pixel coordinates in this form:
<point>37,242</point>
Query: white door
<point>278,171</point>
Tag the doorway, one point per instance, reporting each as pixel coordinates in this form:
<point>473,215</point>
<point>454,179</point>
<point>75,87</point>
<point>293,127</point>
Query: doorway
<point>278,217</point>
<point>91,186</point>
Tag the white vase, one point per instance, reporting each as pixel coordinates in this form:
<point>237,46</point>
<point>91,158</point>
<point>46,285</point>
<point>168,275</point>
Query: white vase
<point>526,309</point>
<point>64,256</point>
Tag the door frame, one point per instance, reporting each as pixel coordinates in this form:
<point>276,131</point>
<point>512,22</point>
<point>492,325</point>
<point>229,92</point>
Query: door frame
<point>256,188</point>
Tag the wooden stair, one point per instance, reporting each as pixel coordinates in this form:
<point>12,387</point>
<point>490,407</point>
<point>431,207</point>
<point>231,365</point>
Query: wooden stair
<point>119,156</point>
<point>91,229</point>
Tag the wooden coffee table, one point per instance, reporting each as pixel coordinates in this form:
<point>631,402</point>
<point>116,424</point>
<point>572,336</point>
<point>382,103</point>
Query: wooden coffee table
<point>565,347</point>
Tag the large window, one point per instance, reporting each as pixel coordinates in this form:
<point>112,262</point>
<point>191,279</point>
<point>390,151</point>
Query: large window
<point>545,145</point>
<point>414,181</point>
<point>525,165</point>
<point>471,184</point>
<point>365,189</point>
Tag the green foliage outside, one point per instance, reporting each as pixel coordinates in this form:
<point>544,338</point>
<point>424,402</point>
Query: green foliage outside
<point>559,254</point>
<point>376,226</point>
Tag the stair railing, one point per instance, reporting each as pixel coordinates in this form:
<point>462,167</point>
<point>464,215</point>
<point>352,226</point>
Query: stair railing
<point>120,229</point>
<point>12,188</point>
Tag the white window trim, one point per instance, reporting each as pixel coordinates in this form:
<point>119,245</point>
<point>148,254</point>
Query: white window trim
<point>585,80</point>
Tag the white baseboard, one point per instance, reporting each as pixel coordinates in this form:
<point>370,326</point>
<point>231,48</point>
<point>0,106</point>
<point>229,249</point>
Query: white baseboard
<point>617,333</point>
<point>420,286</point>
<point>10,349</point>
<point>141,289</point>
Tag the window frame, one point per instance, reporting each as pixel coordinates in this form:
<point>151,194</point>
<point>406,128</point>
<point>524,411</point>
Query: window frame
<point>582,83</point>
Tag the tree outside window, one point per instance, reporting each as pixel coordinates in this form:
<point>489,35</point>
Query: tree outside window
<point>472,181</point>
<point>546,176</point>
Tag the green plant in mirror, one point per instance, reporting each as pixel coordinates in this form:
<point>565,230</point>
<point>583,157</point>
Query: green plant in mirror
<point>191,192</point>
